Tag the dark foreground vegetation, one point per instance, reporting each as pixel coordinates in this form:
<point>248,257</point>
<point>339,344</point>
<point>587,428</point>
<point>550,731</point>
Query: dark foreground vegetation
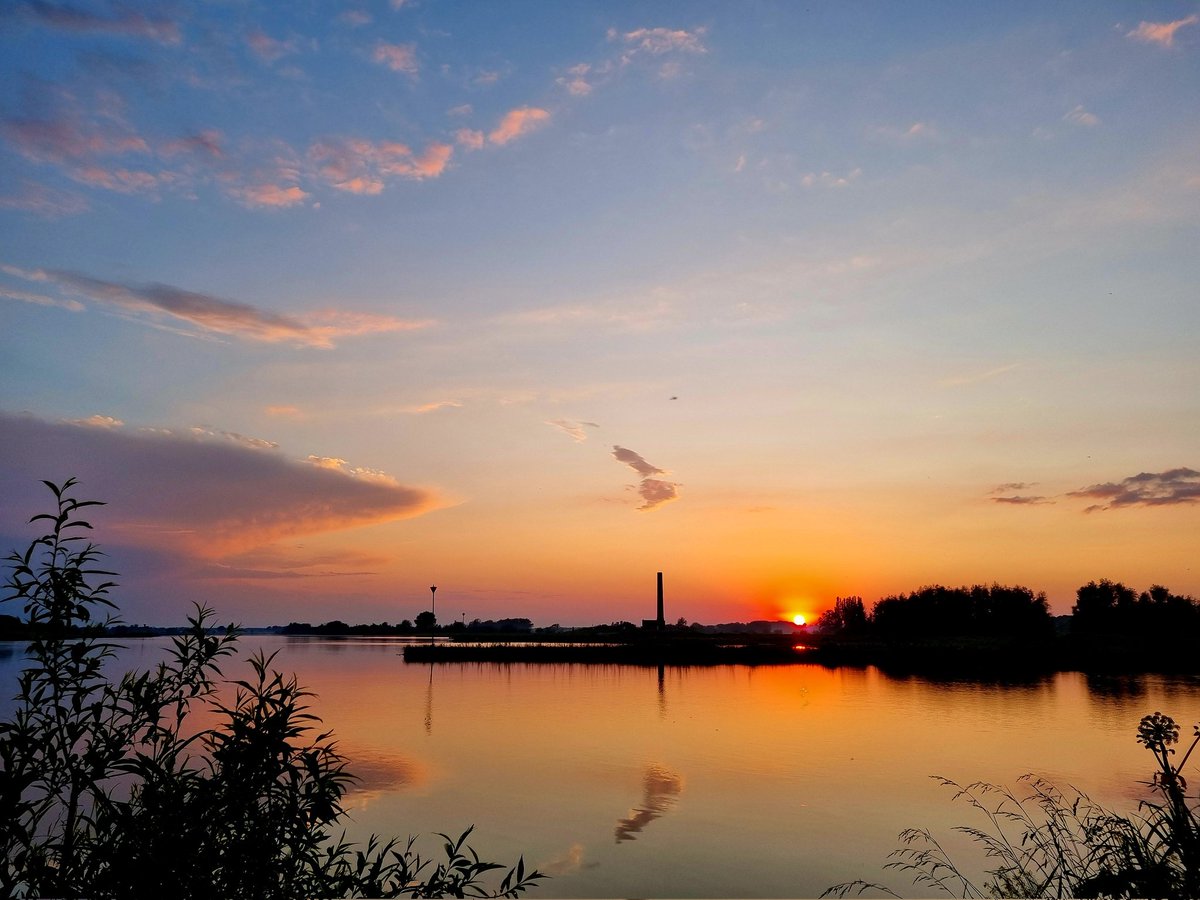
<point>111,788</point>
<point>1049,843</point>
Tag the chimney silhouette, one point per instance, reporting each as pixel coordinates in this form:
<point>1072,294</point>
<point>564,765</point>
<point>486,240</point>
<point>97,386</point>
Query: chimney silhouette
<point>662,624</point>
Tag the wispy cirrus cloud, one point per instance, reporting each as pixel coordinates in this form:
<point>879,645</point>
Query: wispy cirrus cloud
<point>267,48</point>
<point>397,57</point>
<point>433,406</point>
<point>122,22</point>
<point>653,491</point>
<point>1023,500</point>
<point>97,421</point>
<point>1161,33</point>
<point>41,300</point>
<point>469,138</point>
<point>208,142</point>
<point>657,41</point>
<point>1170,488</point>
<point>44,201</point>
<point>663,45</point>
<point>217,315</point>
<point>360,166</point>
<point>576,431</point>
<point>1080,116</point>
<point>205,491</point>
<point>518,122</point>
<point>269,195</point>
<point>977,377</point>
<point>66,137</point>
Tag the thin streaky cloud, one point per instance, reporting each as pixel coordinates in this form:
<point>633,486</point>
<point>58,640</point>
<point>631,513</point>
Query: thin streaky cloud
<point>988,375</point>
<point>469,138</point>
<point>1170,488</point>
<point>657,41</point>
<point>518,122</point>
<point>123,23</point>
<point>97,421</point>
<point>434,406</point>
<point>361,166</point>
<point>635,462</point>
<point>45,202</point>
<point>42,300</point>
<point>1023,500</point>
<point>267,48</point>
<point>1161,33</point>
<point>284,411</point>
<point>576,431</point>
<point>397,57</point>
<point>1080,116</point>
<point>68,138</point>
<point>228,317</point>
<point>269,196</point>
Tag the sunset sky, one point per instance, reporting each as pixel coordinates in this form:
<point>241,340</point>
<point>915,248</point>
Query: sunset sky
<point>335,301</point>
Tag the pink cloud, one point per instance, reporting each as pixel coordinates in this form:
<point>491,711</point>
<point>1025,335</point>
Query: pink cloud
<point>285,411</point>
<point>205,143</point>
<point>469,138</point>
<point>360,166</point>
<point>397,57</point>
<point>1162,33</point>
<point>267,48</point>
<point>196,490</point>
<point>327,325</point>
<point>271,196</point>
<point>123,181</point>
<point>67,138</point>
<point>657,41</point>
<point>517,122</point>
<point>355,18</point>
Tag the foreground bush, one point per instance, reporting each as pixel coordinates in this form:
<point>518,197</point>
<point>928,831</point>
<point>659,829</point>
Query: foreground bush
<point>108,788</point>
<point>1045,843</point>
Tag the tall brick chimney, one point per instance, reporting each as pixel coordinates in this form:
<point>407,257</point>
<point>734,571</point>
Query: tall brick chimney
<point>662,623</point>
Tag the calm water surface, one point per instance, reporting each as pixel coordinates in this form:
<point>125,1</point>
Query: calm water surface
<point>698,782</point>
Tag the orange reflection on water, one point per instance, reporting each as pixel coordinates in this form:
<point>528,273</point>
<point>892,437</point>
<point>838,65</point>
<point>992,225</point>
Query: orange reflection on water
<point>834,761</point>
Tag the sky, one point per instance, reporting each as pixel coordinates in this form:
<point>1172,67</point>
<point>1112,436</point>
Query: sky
<point>332,302</point>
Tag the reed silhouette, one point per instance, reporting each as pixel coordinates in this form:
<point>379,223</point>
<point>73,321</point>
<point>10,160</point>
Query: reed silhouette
<point>110,788</point>
<point>1046,842</point>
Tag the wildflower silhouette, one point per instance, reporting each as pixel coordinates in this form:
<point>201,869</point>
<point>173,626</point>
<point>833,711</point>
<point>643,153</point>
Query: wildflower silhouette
<point>1068,846</point>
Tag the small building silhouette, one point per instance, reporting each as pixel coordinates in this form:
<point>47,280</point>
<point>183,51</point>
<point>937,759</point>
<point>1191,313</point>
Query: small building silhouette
<point>659,624</point>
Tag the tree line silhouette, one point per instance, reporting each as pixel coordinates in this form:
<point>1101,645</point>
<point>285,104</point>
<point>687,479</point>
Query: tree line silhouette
<point>1103,608</point>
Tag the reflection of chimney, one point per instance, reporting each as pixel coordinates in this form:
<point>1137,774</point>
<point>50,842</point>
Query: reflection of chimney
<point>662,624</point>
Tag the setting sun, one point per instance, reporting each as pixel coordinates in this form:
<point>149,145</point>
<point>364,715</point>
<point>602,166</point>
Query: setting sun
<point>799,619</point>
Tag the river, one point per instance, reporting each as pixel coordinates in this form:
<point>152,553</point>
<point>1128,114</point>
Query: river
<point>772,781</point>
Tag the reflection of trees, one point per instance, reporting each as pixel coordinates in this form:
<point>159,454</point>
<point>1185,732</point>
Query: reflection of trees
<point>660,789</point>
<point>1115,686</point>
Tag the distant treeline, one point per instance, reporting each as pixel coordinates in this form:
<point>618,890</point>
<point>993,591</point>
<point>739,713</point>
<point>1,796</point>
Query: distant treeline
<point>424,624</point>
<point>1101,608</point>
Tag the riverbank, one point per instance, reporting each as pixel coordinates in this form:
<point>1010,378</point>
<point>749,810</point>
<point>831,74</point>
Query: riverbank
<point>997,657</point>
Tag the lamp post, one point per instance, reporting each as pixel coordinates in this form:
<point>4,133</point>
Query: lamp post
<point>433,603</point>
